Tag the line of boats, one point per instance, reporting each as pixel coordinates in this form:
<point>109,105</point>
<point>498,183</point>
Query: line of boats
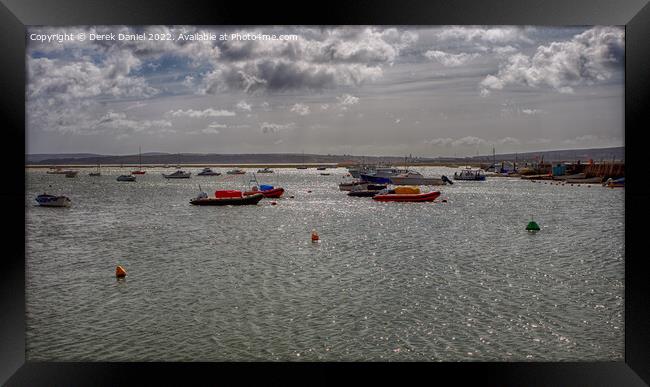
<point>390,175</point>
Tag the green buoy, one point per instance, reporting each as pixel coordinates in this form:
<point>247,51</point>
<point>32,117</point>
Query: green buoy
<point>532,225</point>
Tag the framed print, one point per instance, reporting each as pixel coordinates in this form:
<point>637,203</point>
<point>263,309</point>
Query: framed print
<point>378,188</point>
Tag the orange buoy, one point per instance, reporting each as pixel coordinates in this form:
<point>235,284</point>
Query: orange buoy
<point>120,272</point>
<point>314,236</point>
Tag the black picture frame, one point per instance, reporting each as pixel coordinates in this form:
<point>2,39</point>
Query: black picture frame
<point>15,15</point>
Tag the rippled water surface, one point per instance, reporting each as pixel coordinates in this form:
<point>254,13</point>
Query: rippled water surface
<point>451,281</point>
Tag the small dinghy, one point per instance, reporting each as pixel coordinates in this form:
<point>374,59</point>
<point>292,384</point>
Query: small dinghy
<point>208,172</point>
<point>178,175</point>
<point>368,190</point>
<point>46,200</point>
<point>226,198</point>
<point>126,178</point>
<point>406,194</point>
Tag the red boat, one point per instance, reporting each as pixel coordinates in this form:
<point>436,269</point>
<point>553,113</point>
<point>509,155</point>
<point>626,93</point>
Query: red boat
<point>225,198</point>
<point>269,193</point>
<point>421,197</point>
<point>138,172</point>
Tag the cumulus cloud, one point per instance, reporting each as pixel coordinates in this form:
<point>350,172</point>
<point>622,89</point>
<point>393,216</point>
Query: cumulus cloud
<point>63,81</point>
<point>301,109</point>
<point>440,141</point>
<point>484,35</point>
<point>508,141</point>
<point>450,60</point>
<point>468,141</point>
<point>209,112</point>
<point>267,127</point>
<point>588,58</point>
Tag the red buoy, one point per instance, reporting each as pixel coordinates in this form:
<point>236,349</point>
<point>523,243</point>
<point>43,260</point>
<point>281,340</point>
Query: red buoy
<point>120,272</point>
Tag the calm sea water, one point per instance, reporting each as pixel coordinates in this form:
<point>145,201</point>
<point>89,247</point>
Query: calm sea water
<point>455,281</point>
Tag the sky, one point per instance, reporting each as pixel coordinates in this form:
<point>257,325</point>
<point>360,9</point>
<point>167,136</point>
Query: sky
<point>362,90</point>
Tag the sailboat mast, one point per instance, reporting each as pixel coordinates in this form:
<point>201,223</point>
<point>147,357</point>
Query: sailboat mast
<point>140,157</point>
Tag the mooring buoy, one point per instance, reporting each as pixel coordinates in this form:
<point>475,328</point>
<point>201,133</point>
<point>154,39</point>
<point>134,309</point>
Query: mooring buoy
<point>120,272</point>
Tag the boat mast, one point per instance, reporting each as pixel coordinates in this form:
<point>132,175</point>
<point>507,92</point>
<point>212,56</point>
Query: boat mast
<point>140,158</point>
<point>494,159</point>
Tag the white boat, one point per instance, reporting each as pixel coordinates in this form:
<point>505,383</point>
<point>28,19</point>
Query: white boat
<point>46,200</point>
<point>382,175</point>
<point>208,172</point>
<point>236,172</point>
<point>96,173</point>
<point>416,178</point>
<point>56,171</point>
<point>470,174</point>
<point>265,170</point>
<point>178,175</point>
<point>126,178</point>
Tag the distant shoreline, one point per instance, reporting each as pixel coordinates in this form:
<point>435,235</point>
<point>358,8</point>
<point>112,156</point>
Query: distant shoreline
<point>257,165</point>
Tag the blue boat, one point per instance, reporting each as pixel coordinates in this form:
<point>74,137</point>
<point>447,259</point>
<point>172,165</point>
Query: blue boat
<point>382,175</point>
<point>46,200</point>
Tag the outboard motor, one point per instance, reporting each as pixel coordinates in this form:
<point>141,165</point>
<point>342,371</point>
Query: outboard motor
<point>446,179</point>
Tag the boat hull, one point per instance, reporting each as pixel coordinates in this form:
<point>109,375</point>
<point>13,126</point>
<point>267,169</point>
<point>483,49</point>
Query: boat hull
<point>271,193</point>
<point>244,200</point>
<point>138,172</point>
<point>126,178</point>
<point>416,181</point>
<point>363,193</point>
<point>53,201</point>
<point>423,197</point>
<point>209,174</point>
<point>375,179</point>
<point>176,176</point>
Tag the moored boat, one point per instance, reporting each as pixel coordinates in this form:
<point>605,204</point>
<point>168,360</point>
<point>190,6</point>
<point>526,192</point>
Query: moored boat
<point>382,175</point>
<point>268,191</point>
<point>348,186</point>
<point>265,170</point>
<point>363,193</point>
<point>614,183</point>
<point>470,174</point>
<point>406,194</point>
<point>46,200</point>
<point>56,171</point>
<point>126,178</point>
<point>178,175</point>
<point>416,178</point>
<point>139,171</point>
<point>236,171</point>
<point>208,172</point>
<point>71,173</point>
<point>96,173</point>
<point>226,198</point>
